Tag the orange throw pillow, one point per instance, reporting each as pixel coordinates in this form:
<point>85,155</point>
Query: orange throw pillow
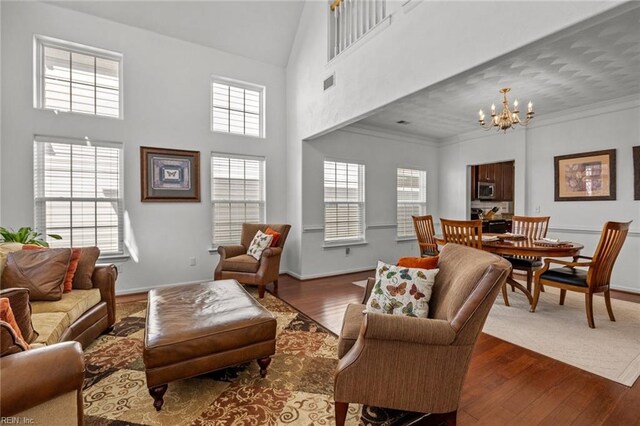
<point>67,285</point>
<point>419,262</point>
<point>6,315</point>
<point>276,236</point>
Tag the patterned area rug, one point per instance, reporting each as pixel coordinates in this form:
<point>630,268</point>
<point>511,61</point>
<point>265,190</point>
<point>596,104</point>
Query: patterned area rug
<point>298,388</point>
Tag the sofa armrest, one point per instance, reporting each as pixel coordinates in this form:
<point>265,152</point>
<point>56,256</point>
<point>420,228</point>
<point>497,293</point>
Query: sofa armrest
<point>401,328</point>
<point>36,376</point>
<point>104,278</point>
<point>231,251</point>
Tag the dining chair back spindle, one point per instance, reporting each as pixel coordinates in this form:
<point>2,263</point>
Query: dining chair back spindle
<point>464,232</point>
<point>426,235</point>
<point>534,228</point>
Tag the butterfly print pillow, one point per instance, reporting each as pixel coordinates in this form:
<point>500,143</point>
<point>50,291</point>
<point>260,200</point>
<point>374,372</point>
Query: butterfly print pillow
<point>402,291</point>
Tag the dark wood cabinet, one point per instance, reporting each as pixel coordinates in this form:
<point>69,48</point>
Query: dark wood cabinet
<point>502,174</point>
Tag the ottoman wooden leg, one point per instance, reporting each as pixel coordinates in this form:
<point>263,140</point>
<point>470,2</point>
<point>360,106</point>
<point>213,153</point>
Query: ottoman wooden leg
<point>264,363</point>
<point>158,395</point>
<point>261,288</point>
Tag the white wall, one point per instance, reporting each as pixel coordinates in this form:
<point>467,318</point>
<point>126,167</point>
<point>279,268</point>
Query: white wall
<point>614,125</point>
<point>421,44</point>
<point>166,104</point>
<point>382,154</point>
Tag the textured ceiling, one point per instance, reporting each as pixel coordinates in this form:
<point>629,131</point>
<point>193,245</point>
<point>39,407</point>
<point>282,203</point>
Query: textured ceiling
<point>262,30</point>
<point>590,63</point>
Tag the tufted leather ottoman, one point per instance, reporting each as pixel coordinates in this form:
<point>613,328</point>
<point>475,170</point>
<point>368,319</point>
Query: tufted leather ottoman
<point>197,328</point>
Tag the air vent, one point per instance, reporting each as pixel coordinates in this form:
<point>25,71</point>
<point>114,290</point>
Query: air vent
<point>329,81</point>
<point>403,122</point>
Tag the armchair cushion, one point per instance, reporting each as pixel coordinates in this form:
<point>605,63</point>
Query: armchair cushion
<point>566,275</point>
<point>242,263</point>
<point>260,242</point>
<point>402,291</point>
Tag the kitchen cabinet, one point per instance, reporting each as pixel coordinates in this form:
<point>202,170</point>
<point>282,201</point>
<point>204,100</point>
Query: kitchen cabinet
<point>502,174</point>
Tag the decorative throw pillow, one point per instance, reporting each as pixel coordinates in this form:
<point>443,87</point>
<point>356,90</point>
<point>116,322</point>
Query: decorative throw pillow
<point>275,234</point>
<point>10,343</point>
<point>42,272</point>
<point>86,264</point>
<point>419,262</point>
<point>259,243</point>
<point>5,249</point>
<point>67,286</point>
<point>19,299</point>
<point>402,291</point>
<point>6,315</point>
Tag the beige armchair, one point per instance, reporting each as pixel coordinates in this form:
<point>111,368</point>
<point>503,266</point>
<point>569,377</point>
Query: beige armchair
<point>236,264</point>
<point>417,364</point>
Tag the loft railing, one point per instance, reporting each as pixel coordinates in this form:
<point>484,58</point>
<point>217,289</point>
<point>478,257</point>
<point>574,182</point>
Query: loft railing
<point>352,19</point>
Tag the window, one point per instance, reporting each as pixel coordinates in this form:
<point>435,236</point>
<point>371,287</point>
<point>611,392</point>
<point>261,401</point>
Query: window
<point>237,195</point>
<point>76,78</point>
<point>237,107</point>
<point>412,199</point>
<point>78,193</point>
<point>343,202</point>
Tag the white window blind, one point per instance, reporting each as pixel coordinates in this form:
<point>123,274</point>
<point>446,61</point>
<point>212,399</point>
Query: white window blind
<point>412,199</point>
<point>78,193</point>
<point>237,195</point>
<point>71,77</point>
<point>237,107</point>
<point>343,201</point>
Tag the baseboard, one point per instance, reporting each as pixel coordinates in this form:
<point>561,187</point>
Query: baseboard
<point>624,289</point>
<point>328,274</point>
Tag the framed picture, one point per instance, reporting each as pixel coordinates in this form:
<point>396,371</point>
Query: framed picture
<point>169,175</point>
<point>589,176</point>
<point>636,172</point>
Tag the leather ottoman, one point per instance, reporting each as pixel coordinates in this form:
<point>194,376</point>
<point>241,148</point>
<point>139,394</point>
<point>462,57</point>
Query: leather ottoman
<point>197,328</point>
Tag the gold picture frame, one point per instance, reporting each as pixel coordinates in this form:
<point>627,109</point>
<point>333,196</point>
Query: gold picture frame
<point>587,176</point>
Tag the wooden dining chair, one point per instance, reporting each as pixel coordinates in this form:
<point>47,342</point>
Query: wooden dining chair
<point>426,234</point>
<point>533,228</point>
<point>594,280</point>
<point>466,233</point>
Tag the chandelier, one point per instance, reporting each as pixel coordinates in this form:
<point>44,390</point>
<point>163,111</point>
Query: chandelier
<point>506,119</point>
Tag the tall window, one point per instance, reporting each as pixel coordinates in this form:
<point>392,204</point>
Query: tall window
<point>237,107</point>
<point>412,199</point>
<point>237,195</point>
<point>78,193</point>
<point>343,202</point>
<point>76,78</point>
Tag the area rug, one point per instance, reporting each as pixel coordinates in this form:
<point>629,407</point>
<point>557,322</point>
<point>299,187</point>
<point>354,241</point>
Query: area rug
<point>611,350</point>
<point>298,388</point>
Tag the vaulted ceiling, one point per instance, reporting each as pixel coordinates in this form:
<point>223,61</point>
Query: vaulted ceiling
<point>261,30</point>
<point>592,62</point>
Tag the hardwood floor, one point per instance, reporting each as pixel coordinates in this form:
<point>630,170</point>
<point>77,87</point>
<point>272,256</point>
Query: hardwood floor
<point>506,384</point>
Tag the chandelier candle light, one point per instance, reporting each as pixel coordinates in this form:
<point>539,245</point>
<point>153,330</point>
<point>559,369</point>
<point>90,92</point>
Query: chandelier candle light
<point>506,119</point>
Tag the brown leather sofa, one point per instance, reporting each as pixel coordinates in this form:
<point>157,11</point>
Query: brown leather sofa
<point>236,264</point>
<point>417,364</point>
<point>45,382</point>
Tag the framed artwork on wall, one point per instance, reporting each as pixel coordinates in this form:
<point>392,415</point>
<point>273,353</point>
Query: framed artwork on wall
<point>169,175</point>
<point>588,176</point>
<point>636,172</point>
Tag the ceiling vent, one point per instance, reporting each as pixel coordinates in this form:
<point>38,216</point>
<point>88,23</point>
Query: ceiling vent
<point>403,122</point>
<point>329,82</point>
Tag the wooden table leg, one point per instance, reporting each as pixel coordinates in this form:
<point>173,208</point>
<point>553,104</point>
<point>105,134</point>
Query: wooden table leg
<point>520,287</point>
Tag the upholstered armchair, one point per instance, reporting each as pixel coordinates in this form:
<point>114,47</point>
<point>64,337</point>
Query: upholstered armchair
<point>236,264</point>
<point>417,364</point>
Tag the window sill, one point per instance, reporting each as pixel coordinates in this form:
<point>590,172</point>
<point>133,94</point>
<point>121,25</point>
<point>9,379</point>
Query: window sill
<point>116,258</point>
<point>220,132</point>
<point>405,239</point>
<point>345,244</point>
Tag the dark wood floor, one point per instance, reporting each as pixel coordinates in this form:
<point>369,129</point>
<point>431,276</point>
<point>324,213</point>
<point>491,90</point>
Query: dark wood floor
<point>506,384</point>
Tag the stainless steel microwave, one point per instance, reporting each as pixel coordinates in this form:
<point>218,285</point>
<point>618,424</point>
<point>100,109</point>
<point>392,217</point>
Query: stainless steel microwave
<point>486,190</point>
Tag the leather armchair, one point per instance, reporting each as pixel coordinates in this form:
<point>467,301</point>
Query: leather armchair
<point>419,364</point>
<point>236,264</point>
<point>44,385</point>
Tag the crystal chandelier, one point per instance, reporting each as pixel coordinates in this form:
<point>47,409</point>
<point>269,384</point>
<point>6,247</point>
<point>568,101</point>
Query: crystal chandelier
<point>506,119</point>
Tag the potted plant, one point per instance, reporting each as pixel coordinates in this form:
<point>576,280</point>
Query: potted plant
<point>25,235</point>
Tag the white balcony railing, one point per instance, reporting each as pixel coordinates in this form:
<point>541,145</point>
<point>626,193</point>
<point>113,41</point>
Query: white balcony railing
<point>352,19</point>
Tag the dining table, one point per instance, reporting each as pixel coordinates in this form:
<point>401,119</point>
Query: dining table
<point>509,245</point>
